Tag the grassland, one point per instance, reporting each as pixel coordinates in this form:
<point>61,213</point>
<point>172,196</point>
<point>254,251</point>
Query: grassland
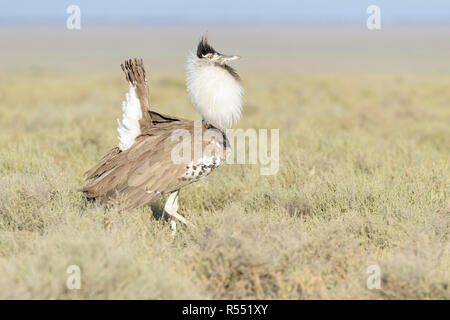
<point>363,180</point>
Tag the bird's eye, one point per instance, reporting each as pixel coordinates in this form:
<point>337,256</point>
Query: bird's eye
<point>210,56</point>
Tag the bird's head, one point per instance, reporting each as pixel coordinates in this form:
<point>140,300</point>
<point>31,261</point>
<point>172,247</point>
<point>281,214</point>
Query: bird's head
<point>214,86</point>
<point>206,52</point>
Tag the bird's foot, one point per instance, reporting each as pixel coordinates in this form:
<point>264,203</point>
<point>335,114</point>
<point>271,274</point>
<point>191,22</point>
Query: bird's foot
<point>182,219</point>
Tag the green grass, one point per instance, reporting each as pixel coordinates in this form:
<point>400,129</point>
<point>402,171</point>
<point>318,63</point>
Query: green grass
<point>363,180</point>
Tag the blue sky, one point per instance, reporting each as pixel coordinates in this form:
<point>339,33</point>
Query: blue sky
<point>225,11</point>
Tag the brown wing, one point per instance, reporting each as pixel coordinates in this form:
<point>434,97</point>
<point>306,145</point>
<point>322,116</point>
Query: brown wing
<point>147,171</point>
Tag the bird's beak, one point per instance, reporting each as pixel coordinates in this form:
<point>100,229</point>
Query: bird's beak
<point>226,58</point>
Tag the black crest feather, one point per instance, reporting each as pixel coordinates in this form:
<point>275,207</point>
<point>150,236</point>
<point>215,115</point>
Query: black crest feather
<point>204,48</point>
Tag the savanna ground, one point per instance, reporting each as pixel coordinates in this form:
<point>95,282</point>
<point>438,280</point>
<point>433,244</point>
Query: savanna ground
<point>363,180</point>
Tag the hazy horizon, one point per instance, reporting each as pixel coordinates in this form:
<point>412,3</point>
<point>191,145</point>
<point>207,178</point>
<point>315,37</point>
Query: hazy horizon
<point>284,49</point>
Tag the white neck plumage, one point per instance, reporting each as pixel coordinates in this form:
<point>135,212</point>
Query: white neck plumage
<point>215,92</point>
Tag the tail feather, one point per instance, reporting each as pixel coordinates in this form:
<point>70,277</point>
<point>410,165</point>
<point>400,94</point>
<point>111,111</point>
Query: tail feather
<point>136,108</point>
<point>135,75</point>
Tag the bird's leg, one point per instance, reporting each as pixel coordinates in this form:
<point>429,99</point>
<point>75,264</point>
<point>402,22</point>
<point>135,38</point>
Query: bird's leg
<point>171,207</point>
<point>173,225</point>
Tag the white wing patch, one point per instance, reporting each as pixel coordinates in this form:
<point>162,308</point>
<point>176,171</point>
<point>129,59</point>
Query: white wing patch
<point>129,129</point>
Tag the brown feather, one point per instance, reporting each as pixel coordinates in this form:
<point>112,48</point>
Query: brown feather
<point>144,172</point>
